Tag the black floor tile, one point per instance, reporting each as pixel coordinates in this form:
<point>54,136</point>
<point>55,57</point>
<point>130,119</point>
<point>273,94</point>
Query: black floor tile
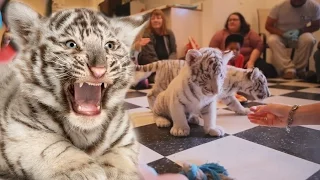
<point>135,94</point>
<point>161,141</point>
<point>315,176</point>
<point>304,95</point>
<point>300,141</point>
<point>165,165</point>
<point>128,106</point>
<point>295,88</point>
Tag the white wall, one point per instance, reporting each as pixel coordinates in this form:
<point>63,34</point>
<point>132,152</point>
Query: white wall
<point>215,13</point>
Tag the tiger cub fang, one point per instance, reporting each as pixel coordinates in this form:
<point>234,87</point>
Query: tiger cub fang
<point>61,100</point>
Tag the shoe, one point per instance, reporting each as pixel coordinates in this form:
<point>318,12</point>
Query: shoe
<point>289,75</point>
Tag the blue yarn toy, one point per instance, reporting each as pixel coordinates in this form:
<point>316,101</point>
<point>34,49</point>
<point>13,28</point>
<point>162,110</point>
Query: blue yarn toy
<point>204,172</point>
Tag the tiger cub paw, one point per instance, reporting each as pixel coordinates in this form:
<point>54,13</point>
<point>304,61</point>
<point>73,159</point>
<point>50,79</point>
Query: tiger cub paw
<point>162,122</point>
<point>243,111</point>
<point>87,172</point>
<point>180,131</point>
<point>217,131</point>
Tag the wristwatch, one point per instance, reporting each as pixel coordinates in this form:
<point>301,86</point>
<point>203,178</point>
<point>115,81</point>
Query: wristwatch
<point>290,117</point>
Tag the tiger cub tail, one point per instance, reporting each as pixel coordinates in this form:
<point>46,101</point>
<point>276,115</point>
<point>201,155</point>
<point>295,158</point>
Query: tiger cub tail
<point>155,66</point>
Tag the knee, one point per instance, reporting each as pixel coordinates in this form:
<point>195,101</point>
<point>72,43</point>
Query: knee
<point>307,39</point>
<point>273,39</point>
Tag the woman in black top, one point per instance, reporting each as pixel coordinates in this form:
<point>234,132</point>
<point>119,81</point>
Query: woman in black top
<point>162,44</point>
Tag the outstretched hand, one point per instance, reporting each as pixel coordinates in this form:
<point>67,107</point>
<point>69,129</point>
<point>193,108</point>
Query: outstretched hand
<point>275,115</point>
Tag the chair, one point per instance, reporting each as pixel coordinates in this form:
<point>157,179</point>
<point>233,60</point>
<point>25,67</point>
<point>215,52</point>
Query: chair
<point>262,19</point>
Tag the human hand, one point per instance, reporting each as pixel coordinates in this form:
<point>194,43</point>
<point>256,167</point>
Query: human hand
<point>144,41</point>
<point>292,34</point>
<point>275,115</point>
<point>249,65</point>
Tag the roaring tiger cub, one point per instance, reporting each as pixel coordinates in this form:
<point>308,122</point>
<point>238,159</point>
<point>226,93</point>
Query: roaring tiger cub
<point>249,81</point>
<point>61,100</point>
<point>193,91</point>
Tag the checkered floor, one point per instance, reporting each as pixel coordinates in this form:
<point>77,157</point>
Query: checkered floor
<point>248,152</point>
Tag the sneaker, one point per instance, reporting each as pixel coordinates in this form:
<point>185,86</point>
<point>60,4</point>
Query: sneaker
<point>289,75</point>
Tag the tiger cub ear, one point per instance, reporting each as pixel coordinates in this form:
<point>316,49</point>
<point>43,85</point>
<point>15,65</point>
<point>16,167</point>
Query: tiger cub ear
<point>192,56</point>
<point>127,28</point>
<point>23,21</point>
<point>227,56</point>
<point>253,73</point>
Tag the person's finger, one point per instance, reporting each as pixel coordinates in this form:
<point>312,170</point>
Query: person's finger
<point>255,108</point>
<point>262,110</point>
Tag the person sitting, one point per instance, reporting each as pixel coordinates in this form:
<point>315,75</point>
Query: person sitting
<point>162,44</point>
<point>234,43</point>
<point>288,26</point>
<point>252,45</point>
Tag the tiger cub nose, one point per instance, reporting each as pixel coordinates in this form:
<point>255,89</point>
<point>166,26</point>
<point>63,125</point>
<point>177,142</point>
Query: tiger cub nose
<point>98,72</point>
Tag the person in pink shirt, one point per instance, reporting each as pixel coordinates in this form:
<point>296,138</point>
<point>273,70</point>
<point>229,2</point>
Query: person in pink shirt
<point>252,44</point>
<point>7,49</point>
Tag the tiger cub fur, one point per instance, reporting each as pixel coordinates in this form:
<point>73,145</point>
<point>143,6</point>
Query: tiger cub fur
<point>193,91</point>
<point>62,113</point>
<point>248,81</point>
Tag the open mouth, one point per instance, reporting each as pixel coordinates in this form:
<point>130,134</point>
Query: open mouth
<point>85,98</point>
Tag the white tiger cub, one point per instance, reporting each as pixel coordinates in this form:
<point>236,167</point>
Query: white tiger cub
<point>193,91</point>
<point>61,110</point>
<point>249,81</point>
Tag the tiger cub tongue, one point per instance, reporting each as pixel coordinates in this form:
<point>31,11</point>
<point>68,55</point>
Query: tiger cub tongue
<point>87,99</point>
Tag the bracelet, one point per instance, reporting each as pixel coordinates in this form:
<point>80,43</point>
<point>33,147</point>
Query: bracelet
<point>290,117</point>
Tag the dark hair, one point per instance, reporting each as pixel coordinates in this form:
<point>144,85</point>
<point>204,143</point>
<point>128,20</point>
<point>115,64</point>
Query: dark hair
<point>244,26</point>
<point>234,38</point>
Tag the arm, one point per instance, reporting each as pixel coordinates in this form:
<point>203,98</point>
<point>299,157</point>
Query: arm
<point>315,25</point>
<point>307,115</point>
<point>216,40</point>
<point>315,21</point>
<point>257,44</point>
<point>272,20</point>
<point>276,115</point>
<point>173,46</point>
<point>270,26</point>
<point>148,53</point>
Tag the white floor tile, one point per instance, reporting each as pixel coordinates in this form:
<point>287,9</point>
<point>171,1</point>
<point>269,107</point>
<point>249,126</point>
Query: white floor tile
<point>271,84</point>
<point>316,127</point>
<point>141,117</point>
<point>311,90</point>
<point>139,101</point>
<point>248,161</point>
<point>299,84</point>
<point>278,92</point>
<point>146,155</point>
<point>233,123</point>
<point>288,100</point>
